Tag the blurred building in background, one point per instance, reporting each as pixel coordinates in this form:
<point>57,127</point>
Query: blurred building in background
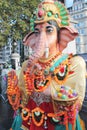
<point>7,51</point>
<point>78,12</point>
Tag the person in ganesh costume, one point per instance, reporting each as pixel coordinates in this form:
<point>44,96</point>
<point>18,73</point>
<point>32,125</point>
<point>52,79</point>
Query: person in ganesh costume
<point>46,70</point>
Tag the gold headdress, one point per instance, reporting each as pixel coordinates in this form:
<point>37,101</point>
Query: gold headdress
<point>50,10</point>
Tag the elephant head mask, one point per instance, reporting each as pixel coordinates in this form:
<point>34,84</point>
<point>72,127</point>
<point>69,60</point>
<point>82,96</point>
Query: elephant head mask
<point>48,11</point>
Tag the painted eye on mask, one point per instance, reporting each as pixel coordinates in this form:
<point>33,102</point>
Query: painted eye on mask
<point>36,32</point>
<point>49,29</point>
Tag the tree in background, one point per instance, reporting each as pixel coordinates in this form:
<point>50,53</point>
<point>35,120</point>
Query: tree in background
<point>14,18</point>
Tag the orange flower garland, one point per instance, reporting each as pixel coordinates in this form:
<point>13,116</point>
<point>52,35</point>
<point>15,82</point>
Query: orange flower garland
<point>13,91</point>
<point>43,87</point>
<point>29,82</point>
<point>32,113</point>
<point>27,112</point>
<point>63,67</point>
<point>37,109</point>
<point>38,75</point>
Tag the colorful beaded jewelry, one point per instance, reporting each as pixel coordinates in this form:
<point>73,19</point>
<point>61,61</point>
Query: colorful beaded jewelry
<point>43,72</point>
<point>50,10</point>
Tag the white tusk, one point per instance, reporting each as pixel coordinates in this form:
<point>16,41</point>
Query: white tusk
<point>46,52</point>
<point>30,51</point>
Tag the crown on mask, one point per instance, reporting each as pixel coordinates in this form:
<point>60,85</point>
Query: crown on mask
<point>50,10</point>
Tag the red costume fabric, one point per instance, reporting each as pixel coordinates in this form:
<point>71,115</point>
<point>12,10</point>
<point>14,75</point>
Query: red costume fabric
<point>45,106</point>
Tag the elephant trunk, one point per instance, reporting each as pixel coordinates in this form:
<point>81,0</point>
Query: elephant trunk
<point>38,53</point>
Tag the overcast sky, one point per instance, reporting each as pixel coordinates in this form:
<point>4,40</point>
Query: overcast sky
<point>68,3</point>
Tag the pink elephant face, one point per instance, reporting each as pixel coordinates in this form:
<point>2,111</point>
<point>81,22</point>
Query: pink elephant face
<point>45,36</point>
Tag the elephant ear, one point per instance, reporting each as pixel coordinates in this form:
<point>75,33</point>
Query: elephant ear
<point>29,39</point>
<point>66,35</point>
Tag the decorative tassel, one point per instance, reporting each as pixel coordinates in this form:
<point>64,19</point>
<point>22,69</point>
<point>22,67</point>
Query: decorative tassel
<point>30,118</point>
<point>45,122</point>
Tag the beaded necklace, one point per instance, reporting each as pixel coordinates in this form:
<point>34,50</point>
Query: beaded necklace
<point>39,79</point>
<point>43,72</point>
<point>58,62</point>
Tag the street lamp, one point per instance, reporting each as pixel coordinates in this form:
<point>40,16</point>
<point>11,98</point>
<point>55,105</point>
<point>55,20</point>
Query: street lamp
<point>14,47</point>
